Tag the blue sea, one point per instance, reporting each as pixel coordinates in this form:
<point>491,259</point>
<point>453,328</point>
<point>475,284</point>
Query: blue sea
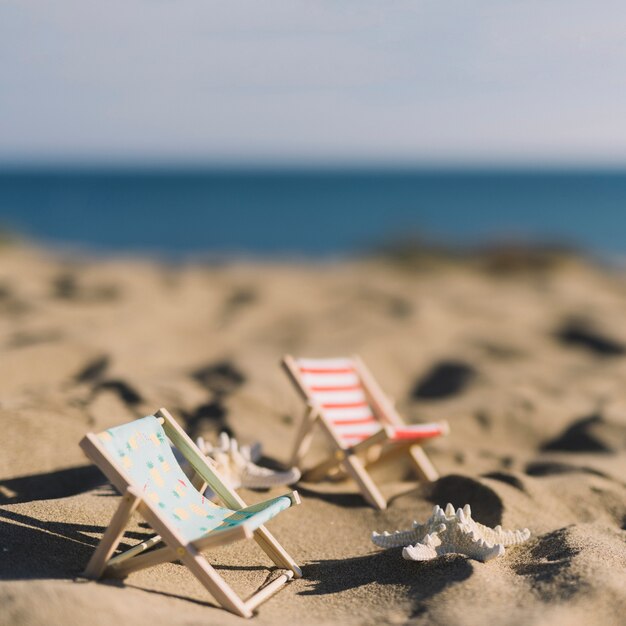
<point>311,213</point>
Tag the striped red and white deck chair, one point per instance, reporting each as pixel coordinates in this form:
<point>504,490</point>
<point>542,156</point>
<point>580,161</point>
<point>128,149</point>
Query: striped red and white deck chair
<point>343,396</point>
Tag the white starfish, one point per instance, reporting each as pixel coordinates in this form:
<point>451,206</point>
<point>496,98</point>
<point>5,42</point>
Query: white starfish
<point>237,467</point>
<point>447,531</point>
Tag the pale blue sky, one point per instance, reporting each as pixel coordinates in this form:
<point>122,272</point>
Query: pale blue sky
<point>422,81</point>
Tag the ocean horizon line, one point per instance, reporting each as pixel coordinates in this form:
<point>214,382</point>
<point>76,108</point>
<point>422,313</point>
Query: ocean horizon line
<point>300,168</point>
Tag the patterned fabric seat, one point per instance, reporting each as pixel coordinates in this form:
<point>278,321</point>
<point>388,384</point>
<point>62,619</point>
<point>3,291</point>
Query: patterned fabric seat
<point>143,454</point>
<point>139,462</point>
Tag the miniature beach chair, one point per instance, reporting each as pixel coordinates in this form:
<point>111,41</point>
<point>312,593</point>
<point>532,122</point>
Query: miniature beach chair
<point>342,395</point>
<point>138,460</point>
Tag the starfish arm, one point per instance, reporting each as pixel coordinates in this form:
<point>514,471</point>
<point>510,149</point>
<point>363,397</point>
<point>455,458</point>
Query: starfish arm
<point>425,550</point>
<point>419,552</point>
<point>482,551</point>
<point>399,538</point>
<point>504,537</point>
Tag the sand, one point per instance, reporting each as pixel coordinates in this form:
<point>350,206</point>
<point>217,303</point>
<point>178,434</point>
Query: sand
<point>523,355</point>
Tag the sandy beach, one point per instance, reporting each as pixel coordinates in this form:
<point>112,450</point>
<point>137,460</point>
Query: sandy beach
<point>524,355</point>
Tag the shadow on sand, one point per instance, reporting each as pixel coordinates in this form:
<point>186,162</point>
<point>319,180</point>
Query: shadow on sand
<point>422,580</point>
<point>348,500</point>
<point>34,548</point>
<point>51,485</point>
<point>487,507</point>
<point>31,549</point>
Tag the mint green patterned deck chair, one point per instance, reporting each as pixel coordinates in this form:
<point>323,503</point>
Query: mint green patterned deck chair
<point>138,460</point>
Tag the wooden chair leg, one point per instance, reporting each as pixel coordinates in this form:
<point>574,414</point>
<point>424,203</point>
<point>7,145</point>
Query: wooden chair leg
<point>122,565</point>
<point>134,551</point>
<point>275,551</point>
<point>121,569</point>
<point>384,454</point>
<point>303,438</point>
<point>354,466</point>
<point>197,564</point>
<point>213,582</point>
<point>269,590</point>
<point>209,578</point>
<point>112,536</point>
<point>423,466</point>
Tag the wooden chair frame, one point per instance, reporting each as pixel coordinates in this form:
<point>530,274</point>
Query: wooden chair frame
<point>347,457</point>
<point>103,563</point>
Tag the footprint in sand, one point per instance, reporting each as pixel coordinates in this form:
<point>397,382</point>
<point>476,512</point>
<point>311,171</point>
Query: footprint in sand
<point>577,333</point>
<point>548,566</point>
<point>238,300</point>
<point>125,392</point>
<point>68,287</point>
<point>592,433</point>
<point>551,468</point>
<point>210,417</point>
<point>445,379</point>
<point>460,490</point>
<point>10,304</point>
<point>221,378</point>
<point>93,370</point>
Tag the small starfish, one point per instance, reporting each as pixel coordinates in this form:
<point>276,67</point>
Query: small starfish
<point>448,532</point>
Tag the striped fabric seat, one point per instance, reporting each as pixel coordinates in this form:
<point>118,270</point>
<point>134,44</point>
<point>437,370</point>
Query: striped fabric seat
<point>336,389</point>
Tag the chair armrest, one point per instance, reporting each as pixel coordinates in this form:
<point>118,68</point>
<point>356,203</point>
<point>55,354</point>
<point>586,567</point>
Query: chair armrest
<point>260,506</point>
<point>384,434</point>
